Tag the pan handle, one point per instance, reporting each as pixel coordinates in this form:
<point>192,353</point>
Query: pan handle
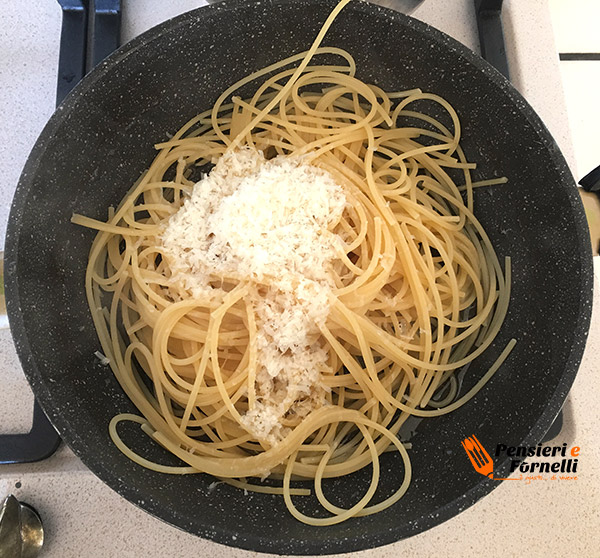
<point>591,181</point>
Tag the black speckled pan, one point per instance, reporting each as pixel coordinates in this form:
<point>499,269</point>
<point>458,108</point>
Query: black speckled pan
<point>101,139</point>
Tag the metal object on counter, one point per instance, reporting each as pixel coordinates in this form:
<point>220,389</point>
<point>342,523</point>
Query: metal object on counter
<point>21,530</point>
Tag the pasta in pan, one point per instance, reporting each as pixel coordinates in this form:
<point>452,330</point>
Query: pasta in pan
<point>287,312</point>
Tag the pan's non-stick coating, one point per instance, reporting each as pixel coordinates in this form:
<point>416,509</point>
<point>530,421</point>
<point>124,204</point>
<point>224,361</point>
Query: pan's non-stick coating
<point>101,139</point>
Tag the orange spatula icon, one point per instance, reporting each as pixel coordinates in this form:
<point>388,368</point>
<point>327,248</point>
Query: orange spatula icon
<point>480,458</point>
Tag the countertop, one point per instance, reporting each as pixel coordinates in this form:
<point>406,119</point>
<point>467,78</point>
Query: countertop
<point>83,517</point>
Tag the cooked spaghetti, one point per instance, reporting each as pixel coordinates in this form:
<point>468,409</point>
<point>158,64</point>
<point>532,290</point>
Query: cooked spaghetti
<point>286,311</point>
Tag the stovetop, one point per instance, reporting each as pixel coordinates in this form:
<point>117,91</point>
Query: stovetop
<point>85,518</point>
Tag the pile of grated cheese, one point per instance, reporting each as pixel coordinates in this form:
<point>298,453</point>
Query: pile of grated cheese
<point>267,223</point>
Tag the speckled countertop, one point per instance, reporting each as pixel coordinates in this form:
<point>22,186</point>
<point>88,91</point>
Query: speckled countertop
<point>83,517</point>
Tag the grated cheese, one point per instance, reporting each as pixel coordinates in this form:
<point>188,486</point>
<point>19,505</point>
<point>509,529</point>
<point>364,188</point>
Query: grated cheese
<point>269,223</point>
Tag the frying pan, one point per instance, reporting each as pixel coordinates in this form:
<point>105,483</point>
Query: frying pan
<point>101,139</point>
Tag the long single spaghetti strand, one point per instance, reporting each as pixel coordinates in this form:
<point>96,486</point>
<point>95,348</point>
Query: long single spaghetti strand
<point>411,290</point>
